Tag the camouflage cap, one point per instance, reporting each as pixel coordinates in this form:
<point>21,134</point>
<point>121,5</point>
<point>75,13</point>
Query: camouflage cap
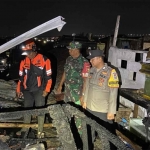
<point>74,45</point>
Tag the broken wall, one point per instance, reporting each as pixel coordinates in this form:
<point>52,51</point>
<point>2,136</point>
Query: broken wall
<point>128,63</point>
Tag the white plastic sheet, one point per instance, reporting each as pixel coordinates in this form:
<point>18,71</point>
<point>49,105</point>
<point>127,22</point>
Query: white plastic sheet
<point>47,26</point>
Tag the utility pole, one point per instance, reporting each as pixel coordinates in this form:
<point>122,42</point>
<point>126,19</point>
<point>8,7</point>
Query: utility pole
<point>73,34</point>
<point>116,31</point>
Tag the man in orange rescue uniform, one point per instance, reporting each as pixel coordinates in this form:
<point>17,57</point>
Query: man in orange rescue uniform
<point>35,81</point>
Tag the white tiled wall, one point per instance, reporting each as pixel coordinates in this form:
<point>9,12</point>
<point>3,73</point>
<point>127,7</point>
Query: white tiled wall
<point>133,66</point>
<point>115,58</point>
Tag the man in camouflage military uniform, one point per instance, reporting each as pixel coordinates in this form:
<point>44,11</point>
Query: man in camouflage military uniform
<point>100,97</point>
<point>75,72</point>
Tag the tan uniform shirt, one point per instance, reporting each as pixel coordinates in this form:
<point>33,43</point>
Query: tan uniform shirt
<point>101,90</point>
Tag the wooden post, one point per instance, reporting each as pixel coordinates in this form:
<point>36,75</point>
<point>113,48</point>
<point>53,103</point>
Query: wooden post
<point>135,111</point>
<point>116,31</point>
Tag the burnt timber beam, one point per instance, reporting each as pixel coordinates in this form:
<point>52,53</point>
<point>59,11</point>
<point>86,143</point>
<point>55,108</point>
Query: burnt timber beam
<point>19,114</point>
<point>60,121</point>
<point>25,125</point>
<point>104,135</point>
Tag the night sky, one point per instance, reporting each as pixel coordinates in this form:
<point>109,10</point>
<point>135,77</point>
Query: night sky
<point>94,16</point>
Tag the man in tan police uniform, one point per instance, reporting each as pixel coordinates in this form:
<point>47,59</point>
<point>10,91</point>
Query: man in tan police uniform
<point>100,97</point>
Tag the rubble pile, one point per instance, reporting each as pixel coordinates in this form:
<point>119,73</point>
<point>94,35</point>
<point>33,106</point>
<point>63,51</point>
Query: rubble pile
<point>8,94</point>
<point>8,89</point>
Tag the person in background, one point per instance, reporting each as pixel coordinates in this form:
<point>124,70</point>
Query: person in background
<point>35,81</point>
<point>75,73</point>
<point>100,97</point>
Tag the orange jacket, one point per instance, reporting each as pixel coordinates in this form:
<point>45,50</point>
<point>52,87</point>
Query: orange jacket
<point>35,74</point>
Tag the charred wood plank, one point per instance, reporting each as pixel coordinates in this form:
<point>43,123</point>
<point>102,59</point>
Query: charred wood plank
<point>60,121</point>
<point>19,114</point>
<point>23,142</point>
<point>103,133</point>
<point>84,135</point>
<point>21,125</point>
<point>16,121</point>
<point>6,103</point>
<point>30,139</point>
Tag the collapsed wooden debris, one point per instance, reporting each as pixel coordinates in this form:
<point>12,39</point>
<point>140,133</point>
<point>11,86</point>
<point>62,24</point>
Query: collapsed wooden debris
<point>8,94</point>
<point>60,120</point>
<point>61,114</point>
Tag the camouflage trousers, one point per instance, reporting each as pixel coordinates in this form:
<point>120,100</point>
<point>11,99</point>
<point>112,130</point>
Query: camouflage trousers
<point>78,121</point>
<point>72,94</point>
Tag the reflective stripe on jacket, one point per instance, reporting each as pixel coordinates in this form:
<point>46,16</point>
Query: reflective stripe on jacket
<point>35,74</point>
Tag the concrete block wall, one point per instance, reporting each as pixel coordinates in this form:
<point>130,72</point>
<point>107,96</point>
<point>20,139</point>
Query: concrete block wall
<point>130,75</point>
